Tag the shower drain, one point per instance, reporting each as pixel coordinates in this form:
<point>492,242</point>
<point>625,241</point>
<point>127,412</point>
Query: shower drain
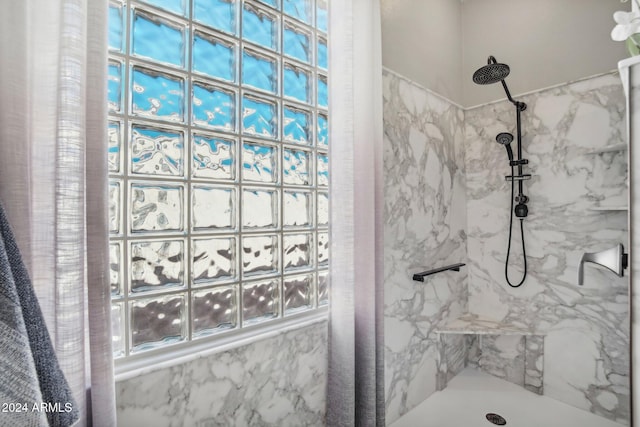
<point>496,419</point>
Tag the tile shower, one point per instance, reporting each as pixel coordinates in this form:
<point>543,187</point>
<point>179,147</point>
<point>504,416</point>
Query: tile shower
<point>446,201</point>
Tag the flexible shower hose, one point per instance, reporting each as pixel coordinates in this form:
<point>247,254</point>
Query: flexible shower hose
<point>524,253</point>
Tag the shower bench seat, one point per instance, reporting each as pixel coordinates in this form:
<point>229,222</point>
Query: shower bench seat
<point>514,353</point>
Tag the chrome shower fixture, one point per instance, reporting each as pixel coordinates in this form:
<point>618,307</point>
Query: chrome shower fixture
<point>495,72</point>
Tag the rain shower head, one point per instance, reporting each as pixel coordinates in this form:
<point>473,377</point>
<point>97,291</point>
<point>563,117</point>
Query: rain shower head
<point>491,73</point>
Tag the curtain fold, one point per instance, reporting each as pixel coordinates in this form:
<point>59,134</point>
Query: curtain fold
<point>53,170</point>
<point>356,374</point>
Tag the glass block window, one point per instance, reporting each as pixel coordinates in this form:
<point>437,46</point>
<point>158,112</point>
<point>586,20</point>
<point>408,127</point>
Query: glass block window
<point>218,160</point>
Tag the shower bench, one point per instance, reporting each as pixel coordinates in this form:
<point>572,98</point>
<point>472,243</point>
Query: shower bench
<point>511,352</point>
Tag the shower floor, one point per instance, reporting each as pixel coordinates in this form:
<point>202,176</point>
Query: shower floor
<point>472,394</point>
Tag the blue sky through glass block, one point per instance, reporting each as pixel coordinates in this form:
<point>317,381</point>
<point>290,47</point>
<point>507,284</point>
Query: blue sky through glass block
<point>321,16</point>
<point>296,84</point>
<point>214,58</point>
<point>322,54</point>
<point>296,126</point>
<point>296,44</point>
<point>273,3</point>
<point>299,9</point>
<point>215,145</point>
<point>259,117</point>
<point>214,107</point>
<point>217,14</point>
<point>147,33</point>
<point>158,95</point>
<point>323,93</point>
<point>175,6</point>
<point>259,71</point>
<point>114,86</point>
<point>323,170</point>
<point>115,27</point>
<point>323,131</point>
<point>259,27</point>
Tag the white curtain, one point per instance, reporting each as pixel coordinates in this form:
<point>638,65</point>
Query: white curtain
<point>356,378</point>
<point>53,174</point>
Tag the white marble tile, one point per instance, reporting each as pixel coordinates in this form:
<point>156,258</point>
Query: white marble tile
<point>279,381</point>
<point>425,220</point>
<point>585,357</point>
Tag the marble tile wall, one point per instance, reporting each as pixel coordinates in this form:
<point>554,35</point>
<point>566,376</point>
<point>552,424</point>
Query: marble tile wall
<point>586,345</point>
<point>425,224</point>
<point>279,381</point>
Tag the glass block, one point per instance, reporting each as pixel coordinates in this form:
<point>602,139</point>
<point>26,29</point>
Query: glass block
<point>323,131</point>
<point>299,9</point>
<point>323,288</point>
<point>296,84</point>
<point>259,26</point>
<point>157,95</point>
<point>213,208</point>
<point>322,15</point>
<point>297,209</point>
<point>272,3</point>
<point>323,170</point>
<point>297,251</point>
<point>214,310</point>
<point>297,125</point>
<point>214,260</point>
<point>178,7</point>
<point>214,107</point>
<point>156,151</point>
<point>115,142</point>
<point>115,27</point>
<point>114,86</point>
<point>260,301</point>
<point>298,294</point>
<point>259,117</point>
<point>296,43</point>
<point>295,168</point>
<point>259,208</point>
<point>323,248</point>
<point>217,14</point>
<point>156,265</point>
<point>323,209</point>
<point>214,56</point>
<point>156,207</point>
<point>117,330</point>
<point>156,322</point>
<point>115,268</point>
<point>259,255</point>
<point>323,53</point>
<point>147,30</point>
<point>115,207</point>
<point>213,157</point>
<point>259,163</point>
<point>259,71</point>
<point>323,92</point>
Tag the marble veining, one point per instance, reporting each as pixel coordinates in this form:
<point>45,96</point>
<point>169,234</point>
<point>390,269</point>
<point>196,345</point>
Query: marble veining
<point>279,381</point>
<point>424,228</point>
<point>586,328</point>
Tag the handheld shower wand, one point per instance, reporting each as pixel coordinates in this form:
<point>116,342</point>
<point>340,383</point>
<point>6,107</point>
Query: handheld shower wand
<point>495,72</point>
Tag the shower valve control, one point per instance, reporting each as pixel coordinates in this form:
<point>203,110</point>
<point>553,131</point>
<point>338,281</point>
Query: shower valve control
<point>521,198</point>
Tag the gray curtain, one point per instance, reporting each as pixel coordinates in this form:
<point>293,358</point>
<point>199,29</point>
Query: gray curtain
<point>53,170</point>
<point>356,374</point>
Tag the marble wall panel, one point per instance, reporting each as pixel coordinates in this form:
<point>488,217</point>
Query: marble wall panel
<point>425,222</point>
<point>279,381</point>
<point>585,350</point>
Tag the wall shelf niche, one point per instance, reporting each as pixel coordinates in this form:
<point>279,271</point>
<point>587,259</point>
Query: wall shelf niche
<point>609,148</point>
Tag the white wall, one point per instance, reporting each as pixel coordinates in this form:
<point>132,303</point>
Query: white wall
<point>421,40</point>
<point>440,43</point>
<point>545,42</point>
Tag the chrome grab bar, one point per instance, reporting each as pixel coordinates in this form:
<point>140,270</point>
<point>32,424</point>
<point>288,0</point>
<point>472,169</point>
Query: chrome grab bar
<point>614,259</point>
